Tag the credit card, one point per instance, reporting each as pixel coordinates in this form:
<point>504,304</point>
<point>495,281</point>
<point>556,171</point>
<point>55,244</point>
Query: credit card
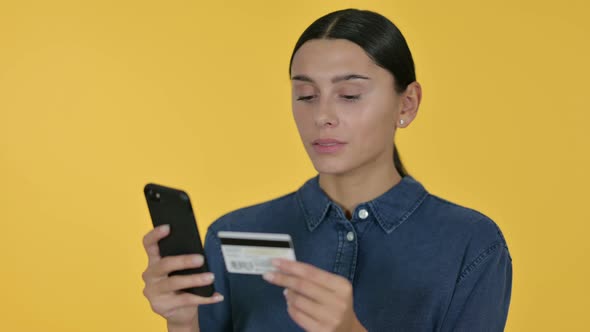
<point>251,253</point>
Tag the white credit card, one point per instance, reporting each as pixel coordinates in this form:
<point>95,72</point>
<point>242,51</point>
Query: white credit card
<point>251,253</point>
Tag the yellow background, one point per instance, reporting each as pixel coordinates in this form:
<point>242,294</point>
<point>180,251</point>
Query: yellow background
<point>99,97</point>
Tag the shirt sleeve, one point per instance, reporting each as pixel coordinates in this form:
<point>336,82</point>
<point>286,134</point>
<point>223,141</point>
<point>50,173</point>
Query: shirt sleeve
<point>216,317</point>
<point>481,298</point>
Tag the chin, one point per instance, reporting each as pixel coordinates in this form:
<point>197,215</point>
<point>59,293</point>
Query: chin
<point>335,166</point>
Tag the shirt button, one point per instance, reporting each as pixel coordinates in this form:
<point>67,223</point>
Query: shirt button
<point>350,236</point>
<point>363,214</point>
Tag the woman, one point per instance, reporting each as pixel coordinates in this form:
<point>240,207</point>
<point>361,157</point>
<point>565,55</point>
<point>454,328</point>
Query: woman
<point>375,250</point>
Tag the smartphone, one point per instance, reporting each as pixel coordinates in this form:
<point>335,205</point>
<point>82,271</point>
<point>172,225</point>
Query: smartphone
<point>173,207</point>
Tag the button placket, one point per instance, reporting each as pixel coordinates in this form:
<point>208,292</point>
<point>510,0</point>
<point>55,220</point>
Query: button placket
<point>346,257</point>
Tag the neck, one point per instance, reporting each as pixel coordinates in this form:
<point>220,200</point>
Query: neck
<point>359,185</point>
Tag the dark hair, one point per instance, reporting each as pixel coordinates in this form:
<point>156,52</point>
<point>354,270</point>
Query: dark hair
<point>378,36</point>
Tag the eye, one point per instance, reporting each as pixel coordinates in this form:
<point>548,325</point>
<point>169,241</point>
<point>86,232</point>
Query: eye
<point>305,98</point>
<point>351,97</point>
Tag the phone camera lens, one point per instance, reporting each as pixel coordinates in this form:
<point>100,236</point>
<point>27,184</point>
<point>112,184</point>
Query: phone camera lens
<point>154,196</point>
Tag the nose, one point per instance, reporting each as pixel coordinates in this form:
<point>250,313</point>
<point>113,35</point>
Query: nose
<point>325,114</point>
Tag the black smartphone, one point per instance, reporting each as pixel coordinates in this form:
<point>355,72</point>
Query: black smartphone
<point>173,207</point>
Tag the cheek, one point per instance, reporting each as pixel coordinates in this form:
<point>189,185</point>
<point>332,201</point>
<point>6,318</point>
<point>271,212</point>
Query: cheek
<point>374,128</point>
<point>302,119</point>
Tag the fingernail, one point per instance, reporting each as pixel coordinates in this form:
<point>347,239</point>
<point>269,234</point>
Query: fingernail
<point>210,277</point>
<point>285,292</point>
<point>276,262</point>
<point>165,228</point>
<point>198,259</point>
<point>269,276</point>
<point>218,297</point>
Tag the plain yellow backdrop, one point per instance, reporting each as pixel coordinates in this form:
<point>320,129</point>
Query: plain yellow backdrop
<point>99,97</point>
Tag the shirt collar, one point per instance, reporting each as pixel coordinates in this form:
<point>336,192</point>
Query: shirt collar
<point>390,209</point>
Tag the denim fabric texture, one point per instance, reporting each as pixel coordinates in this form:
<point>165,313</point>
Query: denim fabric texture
<point>416,262</point>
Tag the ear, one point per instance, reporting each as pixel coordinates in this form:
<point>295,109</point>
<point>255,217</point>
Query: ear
<point>410,101</point>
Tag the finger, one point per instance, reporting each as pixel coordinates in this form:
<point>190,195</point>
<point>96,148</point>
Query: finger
<point>175,263</point>
<point>217,297</point>
<point>179,282</point>
<point>165,305</point>
<point>153,253</point>
<point>303,286</point>
<point>162,268</point>
<point>150,242</point>
<point>303,320</point>
<point>309,272</point>
<point>314,310</point>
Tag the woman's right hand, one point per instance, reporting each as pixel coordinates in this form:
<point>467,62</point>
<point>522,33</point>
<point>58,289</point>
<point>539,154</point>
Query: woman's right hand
<point>164,293</point>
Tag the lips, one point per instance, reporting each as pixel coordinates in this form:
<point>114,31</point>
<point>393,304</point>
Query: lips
<point>327,141</point>
<point>327,145</point>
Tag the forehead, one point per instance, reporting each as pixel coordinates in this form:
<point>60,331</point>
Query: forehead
<point>326,58</point>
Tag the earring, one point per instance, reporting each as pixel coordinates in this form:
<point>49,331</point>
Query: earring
<point>401,122</point>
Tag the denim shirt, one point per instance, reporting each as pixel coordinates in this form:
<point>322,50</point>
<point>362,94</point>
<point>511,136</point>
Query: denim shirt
<point>416,262</point>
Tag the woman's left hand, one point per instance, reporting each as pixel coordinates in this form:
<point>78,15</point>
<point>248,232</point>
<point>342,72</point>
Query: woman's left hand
<point>316,300</point>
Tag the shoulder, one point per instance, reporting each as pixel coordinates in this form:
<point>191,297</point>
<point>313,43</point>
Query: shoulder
<point>463,219</point>
<point>471,232</point>
<point>256,216</point>
<point>476,237</point>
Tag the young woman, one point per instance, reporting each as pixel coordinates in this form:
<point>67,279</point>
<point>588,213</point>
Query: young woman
<point>375,250</point>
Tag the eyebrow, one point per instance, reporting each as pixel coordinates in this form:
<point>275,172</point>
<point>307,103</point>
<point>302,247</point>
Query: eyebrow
<point>336,79</point>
